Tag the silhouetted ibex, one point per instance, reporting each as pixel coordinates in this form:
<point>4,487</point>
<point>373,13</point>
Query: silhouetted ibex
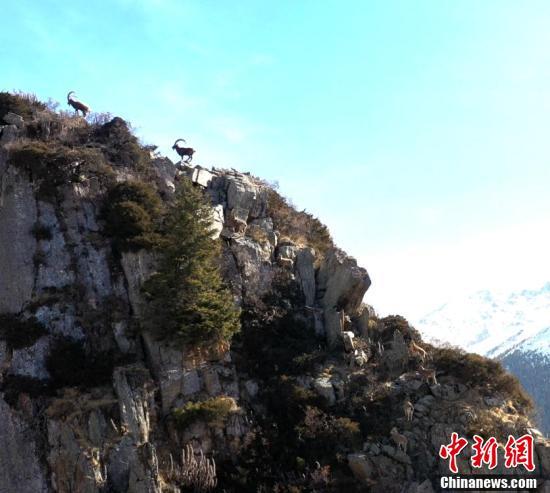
<point>183,151</point>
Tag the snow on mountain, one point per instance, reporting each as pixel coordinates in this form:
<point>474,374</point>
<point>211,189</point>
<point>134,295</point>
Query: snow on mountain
<point>512,327</point>
<point>493,323</point>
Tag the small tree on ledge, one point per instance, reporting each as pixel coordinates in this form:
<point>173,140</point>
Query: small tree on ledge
<point>188,302</point>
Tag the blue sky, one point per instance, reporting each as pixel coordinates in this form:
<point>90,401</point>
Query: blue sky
<point>418,131</point>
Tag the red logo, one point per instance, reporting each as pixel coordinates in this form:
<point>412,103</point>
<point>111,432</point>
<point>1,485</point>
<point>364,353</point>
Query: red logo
<point>516,452</point>
<point>452,450</point>
<point>519,451</point>
<point>484,453</point>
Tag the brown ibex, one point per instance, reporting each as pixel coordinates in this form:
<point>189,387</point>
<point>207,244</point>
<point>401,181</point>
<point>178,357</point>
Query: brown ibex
<point>428,375</point>
<point>416,350</point>
<point>77,105</point>
<point>399,439</point>
<point>183,151</point>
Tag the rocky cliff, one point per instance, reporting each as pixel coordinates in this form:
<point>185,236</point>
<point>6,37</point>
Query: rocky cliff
<point>303,399</point>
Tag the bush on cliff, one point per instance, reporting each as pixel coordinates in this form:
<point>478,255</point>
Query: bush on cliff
<point>24,105</point>
<point>475,370</point>
<point>188,302</point>
<point>19,332</point>
<point>52,165</point>
<point>132,214</point>
<point>212,411</point>
<point>301,227</point>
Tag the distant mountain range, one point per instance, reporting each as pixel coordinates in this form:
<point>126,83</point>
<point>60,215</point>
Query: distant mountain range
<point>512,327</point>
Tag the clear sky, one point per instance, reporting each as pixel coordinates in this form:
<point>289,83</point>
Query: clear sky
<point>419,131</point>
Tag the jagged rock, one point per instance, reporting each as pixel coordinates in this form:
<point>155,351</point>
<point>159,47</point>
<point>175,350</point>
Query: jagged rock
<point>347,339</point>
<point>324,388</point>
<point>341,283</point>
<point>8,133</point>
<point>211,381</point>
<point>360,358</point>
<point>395,359</point>
<point>13,119</point>
<point>305,258</point>
<point>362,320</point>
<point>73,469</point>
<point>217,220</point>
<point>21,469</point>
<point>253,261</point>
<point>136,401</point>
<point>17,244</point>
<point>333,326</point>
<point>31,361</point>
<point>138,267</point>
<point>448,392</point>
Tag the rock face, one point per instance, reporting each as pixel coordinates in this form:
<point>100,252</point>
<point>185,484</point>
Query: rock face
<point>115,431</point>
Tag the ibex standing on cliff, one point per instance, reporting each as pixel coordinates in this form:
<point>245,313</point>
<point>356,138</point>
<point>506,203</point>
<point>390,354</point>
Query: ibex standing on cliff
<point>399,439</point>
<point>183,151</point>
<point>408,409</point>
<point>416,350</point>
<point>428,375</point>
<point>77,105</point>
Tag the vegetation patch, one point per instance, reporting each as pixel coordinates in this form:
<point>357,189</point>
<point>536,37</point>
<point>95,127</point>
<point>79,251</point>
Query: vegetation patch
<point>24,105</point>
<point>188,303</point>
<point>212,411</point>
<point>14,385</point>
<point>477,371</point>
<point>70,365</point>
<point>54,166</point>
<point>301,227</point>
<point>121,147</point>
<point>133,213</point>
<point>20,332</point>
<point>41,232</point>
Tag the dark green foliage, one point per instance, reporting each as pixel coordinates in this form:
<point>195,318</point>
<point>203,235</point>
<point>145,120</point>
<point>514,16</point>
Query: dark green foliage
<point>475,370</point>
<point>24,105</point>
<point>121,146</point>
<point>70,365</point>
<point>20,332</point>
<point>14,385</point>
<point>278,335</point>
<point>300,227</point>
<point>53,165</point>
<point>42,232</point>
<point>132,213</point>
<point>212,411</point>
<point>188,302</point>
<point>326,434</point>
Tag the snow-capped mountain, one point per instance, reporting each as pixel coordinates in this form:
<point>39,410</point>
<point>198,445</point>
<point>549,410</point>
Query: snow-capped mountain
<point>493,323</point>
<point>512,327</point>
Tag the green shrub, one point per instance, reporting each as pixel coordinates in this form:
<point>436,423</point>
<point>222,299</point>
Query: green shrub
<point>477,371</point>
<point>132,214</point>
<point>326,434</point>
<point>188,302</point>
<point>13,386</point>
<point>24,105</point>
<point>41,232</point>
<point>20,332</point>
<point>70,365</point>
<point>301,227</point>
<point>121,147</point>
<point>53,165</point>
<point>212,411</point>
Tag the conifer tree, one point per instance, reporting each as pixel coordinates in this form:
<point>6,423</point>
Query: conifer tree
<point>188,302</point>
